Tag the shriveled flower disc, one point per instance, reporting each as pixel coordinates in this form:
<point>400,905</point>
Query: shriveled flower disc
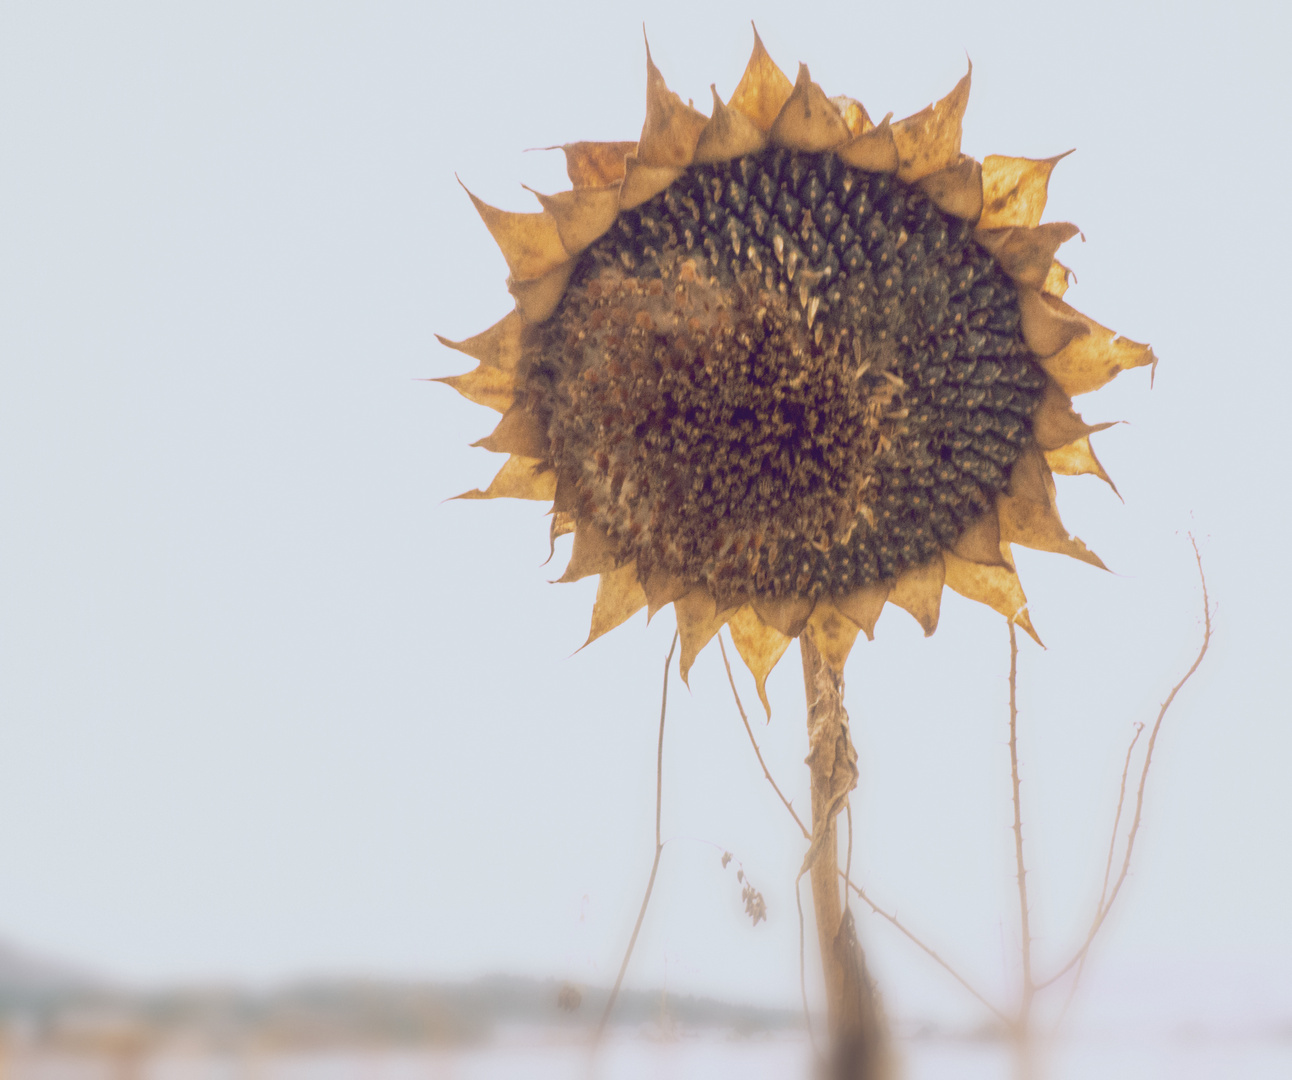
<point>781,365</point>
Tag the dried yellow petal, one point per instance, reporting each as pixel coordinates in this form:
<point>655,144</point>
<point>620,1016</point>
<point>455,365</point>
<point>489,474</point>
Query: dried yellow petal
<point>760,646</point>
<point>874,151</point>
<point>1048,325</point>
<point>662,590</point>
<point>644,182</point>
<point>919,591</point>
<point>1026,254</point>
<point>485,386</point>
<point>1056,281</point>
<point>1014,190</point>
<point>498,347</point>
<point>996,586</point>
<point>596,164</point>
<point>864,606</point>
<point>537,299</point>
<point>762,90</point>
<point>957,189</point>
<point>1055,423</point>
<point>530,243</point>
<point>619,598</point>
<point>929,141</point>
<point>1077,458</point>
<point>518,432</point>
<point>1029,514</point>
<point>519,478</point>
<point>582,215</point>
<point>672,126</point>
<point>592,553</point>
<point>980,543</point>
<point>728,134</point>
<point>1095,358</point>
<point>808,120</point>
<point>832,633</point>
<point>698,619</point>
<point>787,614</point>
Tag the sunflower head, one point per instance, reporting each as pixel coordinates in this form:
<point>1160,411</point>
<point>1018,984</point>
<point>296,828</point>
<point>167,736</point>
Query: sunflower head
<point>781,365</point>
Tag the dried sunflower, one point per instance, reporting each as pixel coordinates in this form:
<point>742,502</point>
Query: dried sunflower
<point>781,365</point>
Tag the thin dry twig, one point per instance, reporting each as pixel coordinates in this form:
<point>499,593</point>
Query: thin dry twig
<point>1105,906</point>
<point>659,848</point>
<point>1029,987</point>
<point>844,873</point>
<point>930,952</point>
<point>807,834</point>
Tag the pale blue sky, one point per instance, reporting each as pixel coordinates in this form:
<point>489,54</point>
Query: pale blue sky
<point>269,705</point>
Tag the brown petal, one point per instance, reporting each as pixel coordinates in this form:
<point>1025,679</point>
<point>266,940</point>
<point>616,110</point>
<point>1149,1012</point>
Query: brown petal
<point>864,606</point>
<point>980,543</point>
<point>760,646</point>
<point>644,182</point>
<point>1048,323</point>
<point>619,598</point>
<point>763,89</point>
<point>1055,424</point>
<point>1029,514</point>
<point>1026,254</point>
<point>519,478</point>
<point>485,386</point>
<point>874,151</point>
<point>996,586</point>
<point>697,621</point>
<point>789,614</point>
<point>808,120</point>
<point>833,633</point>
<point>596,164</point>
<point>1094,359</point>
<point>530,243</point>
<point>582,215</point>
<point>662,589</point>
<point>671,128</point>
<point>498,347</point>
<point>518,432</point>
<point>854,114</point>
<point>728,134</point>
<point>537,299</point>
<point>957,189</point>
<point>1056,281</point>
<point>1077,458</point>
<point>593,553</point>
<point>919,591</point>
<point>929,141</point>
<point>1014,190</point>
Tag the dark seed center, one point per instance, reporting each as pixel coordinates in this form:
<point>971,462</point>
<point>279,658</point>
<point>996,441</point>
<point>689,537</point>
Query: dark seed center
<point>783,376</point>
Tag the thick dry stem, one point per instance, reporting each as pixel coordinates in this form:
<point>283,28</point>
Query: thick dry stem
<point>858,1035</point>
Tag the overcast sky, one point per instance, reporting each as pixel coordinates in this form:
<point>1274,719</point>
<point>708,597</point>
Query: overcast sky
<point>269,704</point>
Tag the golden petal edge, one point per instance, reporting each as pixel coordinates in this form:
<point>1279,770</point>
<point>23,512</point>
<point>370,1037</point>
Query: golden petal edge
<point>644,182</point>
<point>863,606</point>
<point>671,128</point>
<point>530,243</point>
<point>760,646</point>
<point>1055,423</point>
<point>996,586</point>
<point>537,299</point>
<point>980,543</point>
<point>592,553</point>
<point>854,114</point>
<point>1094,358</point>
<point>957,189</point>
<point>498,347</point>
<point>619,598</point>
<point>833,633</point>
<point>787,614</point>
<point>518,432</point>
<point>929,141</point>
<point>808,120</point>
<point>661,590</point>
<point>919,591</point>
<point>1015,189</point>
<point>874,151</point>
<point>486,386</point>
<point>582,215</point>
<point>1026,254</point>
<point>1056,280</point>
<point>596,164</point>
<point>1029,513</point>
<point>1077,458</point>
<point>697,621</point>
<point>728,134</point>
<point>763,88</point>
<point>519,478</point>
<point>1048,323</point>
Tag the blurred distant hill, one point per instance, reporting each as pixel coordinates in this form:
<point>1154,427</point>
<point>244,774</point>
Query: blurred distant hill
<point>59,1005</point>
